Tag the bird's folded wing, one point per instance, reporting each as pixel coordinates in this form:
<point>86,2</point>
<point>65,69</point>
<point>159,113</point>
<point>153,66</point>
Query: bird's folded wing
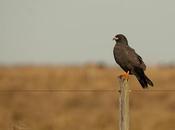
<point>135,59</point>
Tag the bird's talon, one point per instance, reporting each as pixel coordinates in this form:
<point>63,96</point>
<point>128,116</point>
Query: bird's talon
<point>124,76</point>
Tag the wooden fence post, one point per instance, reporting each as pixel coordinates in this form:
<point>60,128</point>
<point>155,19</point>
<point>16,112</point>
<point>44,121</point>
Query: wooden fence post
<point>123,104</point>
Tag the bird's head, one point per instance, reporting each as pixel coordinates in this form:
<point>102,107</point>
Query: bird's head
<point>121,39</point>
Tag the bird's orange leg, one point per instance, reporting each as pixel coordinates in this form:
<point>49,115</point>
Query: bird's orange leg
<point>124,76</point>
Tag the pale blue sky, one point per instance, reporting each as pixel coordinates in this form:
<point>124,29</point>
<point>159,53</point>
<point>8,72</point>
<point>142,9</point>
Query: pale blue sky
<point>81,31</point>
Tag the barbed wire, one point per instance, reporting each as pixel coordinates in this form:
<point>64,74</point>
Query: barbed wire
<point>59,90</point>
<point>153,91</point>
<point>82,90</point>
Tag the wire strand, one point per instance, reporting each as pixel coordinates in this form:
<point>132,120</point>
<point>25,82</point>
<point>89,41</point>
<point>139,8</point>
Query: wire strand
<point>153,91</point>
<point>58,90</point>
<point>82,90</point>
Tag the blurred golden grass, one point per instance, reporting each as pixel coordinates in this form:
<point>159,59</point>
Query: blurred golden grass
<point>82,110</point>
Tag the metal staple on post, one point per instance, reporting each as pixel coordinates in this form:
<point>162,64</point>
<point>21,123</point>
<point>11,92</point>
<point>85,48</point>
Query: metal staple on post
<point>123,104</point>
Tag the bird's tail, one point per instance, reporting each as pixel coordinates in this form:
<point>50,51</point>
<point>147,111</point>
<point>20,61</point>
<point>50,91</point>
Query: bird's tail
<point>142,78</point>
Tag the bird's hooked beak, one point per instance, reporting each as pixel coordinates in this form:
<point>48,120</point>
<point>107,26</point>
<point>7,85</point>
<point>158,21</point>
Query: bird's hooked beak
<point>115,38</point>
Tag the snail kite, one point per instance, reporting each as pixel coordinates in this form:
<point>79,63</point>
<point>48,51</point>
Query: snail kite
<point>130,61</point>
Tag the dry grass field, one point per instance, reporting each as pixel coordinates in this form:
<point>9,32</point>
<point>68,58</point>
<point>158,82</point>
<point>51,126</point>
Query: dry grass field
<point>26,103</point>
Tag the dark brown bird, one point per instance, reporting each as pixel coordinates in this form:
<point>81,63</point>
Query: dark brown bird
<point>129,60</point>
